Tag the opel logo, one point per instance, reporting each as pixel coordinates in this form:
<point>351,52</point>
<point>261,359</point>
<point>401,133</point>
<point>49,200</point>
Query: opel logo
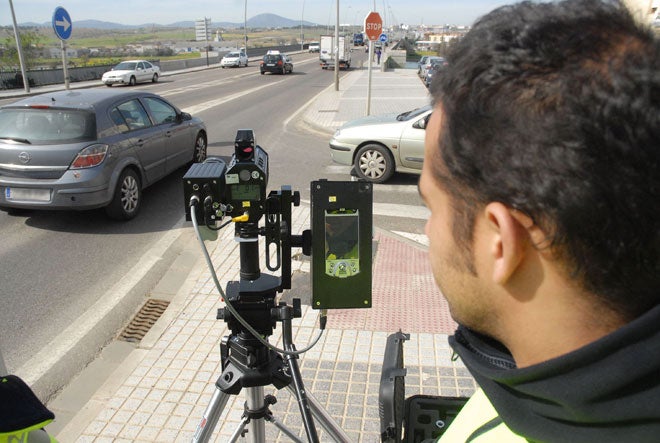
<point>24,157</point>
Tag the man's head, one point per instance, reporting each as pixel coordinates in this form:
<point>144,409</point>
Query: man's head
<point>553,112</point>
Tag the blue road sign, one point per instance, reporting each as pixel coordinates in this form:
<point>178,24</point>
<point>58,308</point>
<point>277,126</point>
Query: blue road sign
<point>383,38</point>
<point>62,23</point>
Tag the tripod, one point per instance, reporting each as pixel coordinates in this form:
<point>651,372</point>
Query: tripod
<point>248,363</point>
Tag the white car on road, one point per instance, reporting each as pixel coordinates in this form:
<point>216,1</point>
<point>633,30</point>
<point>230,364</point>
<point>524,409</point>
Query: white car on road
<point>379,145</point>
<point>131,72</point>
<point>234,58</point>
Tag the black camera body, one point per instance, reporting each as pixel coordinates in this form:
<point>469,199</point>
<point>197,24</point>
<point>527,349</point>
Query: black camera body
<point>245,185</point>
<point>237,190</point>
<point>206,182</point>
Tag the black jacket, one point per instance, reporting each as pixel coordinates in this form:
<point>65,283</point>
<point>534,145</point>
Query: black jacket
<point>607,391</point>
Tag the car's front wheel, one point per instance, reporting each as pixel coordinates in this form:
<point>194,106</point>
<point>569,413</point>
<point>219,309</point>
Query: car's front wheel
<point>127,199</point>
<point>374,163</point>
<point>199,154</point>
<point>132,81</point>
<point>154,79</point>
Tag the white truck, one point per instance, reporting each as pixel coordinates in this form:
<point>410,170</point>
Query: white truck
<point>327,53</point>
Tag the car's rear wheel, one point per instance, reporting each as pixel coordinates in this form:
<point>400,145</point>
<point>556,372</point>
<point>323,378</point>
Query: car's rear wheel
<point>109,85</point>
<point>374,163</point>
<point>127,199</point>
<point>199,154</point>
<point>155,78</point>
<point>132,81</point>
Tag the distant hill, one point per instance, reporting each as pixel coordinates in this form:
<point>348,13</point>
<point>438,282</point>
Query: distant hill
<point>258,21</point>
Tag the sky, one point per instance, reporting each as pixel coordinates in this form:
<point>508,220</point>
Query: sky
<point>323,12</point>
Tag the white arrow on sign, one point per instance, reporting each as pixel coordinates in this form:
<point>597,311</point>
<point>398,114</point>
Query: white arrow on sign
<point>65,23</point>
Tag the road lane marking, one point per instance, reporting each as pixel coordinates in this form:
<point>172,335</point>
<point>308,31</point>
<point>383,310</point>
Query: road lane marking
<point>213,103</point>
<point>405,211</point>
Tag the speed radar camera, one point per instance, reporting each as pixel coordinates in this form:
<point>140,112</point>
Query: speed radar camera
<point>341,244</point>
<point>339,240</point>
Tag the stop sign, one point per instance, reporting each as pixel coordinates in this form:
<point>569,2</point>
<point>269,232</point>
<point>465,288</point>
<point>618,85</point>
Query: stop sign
<point>373,26</point>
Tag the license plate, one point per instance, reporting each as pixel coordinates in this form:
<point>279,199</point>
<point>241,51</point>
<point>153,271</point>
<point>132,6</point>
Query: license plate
<point>270,64</point>
<point>27,194</point>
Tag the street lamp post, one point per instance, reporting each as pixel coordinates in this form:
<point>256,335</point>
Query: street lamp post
<point>19,48</point>
<point>336,49</point>
<point>245,26</point>
<point>302,36</point>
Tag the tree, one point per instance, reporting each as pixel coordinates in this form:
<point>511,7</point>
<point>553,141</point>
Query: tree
<point>30,43</point>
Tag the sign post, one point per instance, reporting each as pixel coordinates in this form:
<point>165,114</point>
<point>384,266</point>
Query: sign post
<point>62,26</point>
<point>373,28</point>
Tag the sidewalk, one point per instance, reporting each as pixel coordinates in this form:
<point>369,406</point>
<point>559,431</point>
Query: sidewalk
<point>161,390</point>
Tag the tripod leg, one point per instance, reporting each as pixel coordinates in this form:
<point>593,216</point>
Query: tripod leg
<point>300,393</point>
<point>237,433</point>
<point>254,401</point>
<point>283,428</point>
<point>325,420</point>
<point>211,416</point>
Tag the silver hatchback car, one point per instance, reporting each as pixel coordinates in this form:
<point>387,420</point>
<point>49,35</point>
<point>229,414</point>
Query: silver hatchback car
<point>92,148</point>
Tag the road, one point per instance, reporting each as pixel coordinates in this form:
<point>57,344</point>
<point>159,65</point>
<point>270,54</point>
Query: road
<point>56,265</point>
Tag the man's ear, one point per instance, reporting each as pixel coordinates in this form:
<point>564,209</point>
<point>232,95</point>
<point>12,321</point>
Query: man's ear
<point>508,240</point>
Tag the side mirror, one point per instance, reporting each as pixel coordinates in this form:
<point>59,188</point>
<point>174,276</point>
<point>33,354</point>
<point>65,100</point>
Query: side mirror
<point>420,124</point>
<point>184,116</point>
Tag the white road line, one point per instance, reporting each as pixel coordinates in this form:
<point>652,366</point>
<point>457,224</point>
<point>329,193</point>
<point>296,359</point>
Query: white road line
<point>405,211</point>
<point>213,103</point>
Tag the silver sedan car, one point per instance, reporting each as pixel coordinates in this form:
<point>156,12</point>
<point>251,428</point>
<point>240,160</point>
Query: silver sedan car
<point>93,148</point>
<point>377,146</point>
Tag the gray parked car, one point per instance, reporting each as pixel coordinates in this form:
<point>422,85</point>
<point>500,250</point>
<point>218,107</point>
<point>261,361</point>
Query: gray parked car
<point>85,149</point>
<point>424,67</point>
<point>377,146</point>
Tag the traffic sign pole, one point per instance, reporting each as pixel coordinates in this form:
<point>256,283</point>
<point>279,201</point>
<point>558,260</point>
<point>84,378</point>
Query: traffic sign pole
<point>373,26</point>
<point>65,71</point>
<point>63,26</point>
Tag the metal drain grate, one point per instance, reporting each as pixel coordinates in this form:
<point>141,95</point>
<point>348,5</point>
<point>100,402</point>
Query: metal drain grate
<point>144,320</point>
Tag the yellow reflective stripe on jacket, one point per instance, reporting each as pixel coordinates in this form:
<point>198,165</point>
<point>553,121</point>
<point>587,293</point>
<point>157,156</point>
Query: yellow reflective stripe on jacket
<point>478,422</point>
<point>33,434</point>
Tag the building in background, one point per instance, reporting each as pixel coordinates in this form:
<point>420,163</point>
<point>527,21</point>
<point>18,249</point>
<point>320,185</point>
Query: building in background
<point>203,30</point>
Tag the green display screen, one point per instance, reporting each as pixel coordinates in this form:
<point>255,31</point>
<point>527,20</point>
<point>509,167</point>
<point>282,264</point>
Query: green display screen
<point>245,192</point>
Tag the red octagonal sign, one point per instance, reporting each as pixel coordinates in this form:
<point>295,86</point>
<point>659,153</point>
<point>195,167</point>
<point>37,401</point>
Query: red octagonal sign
<point>373,26</point>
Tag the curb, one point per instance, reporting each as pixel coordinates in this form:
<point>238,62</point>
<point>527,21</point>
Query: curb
<point>53,367</point>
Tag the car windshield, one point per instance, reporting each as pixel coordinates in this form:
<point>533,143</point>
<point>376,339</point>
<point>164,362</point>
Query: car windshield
<point>46,126</point>
<point>233,55</point>
<point>125,66</point>
<point>271,58</point>
<point>405,116</point>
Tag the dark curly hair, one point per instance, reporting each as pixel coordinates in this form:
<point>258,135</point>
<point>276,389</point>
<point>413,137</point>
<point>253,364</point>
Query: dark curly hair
<point>554,109</point>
